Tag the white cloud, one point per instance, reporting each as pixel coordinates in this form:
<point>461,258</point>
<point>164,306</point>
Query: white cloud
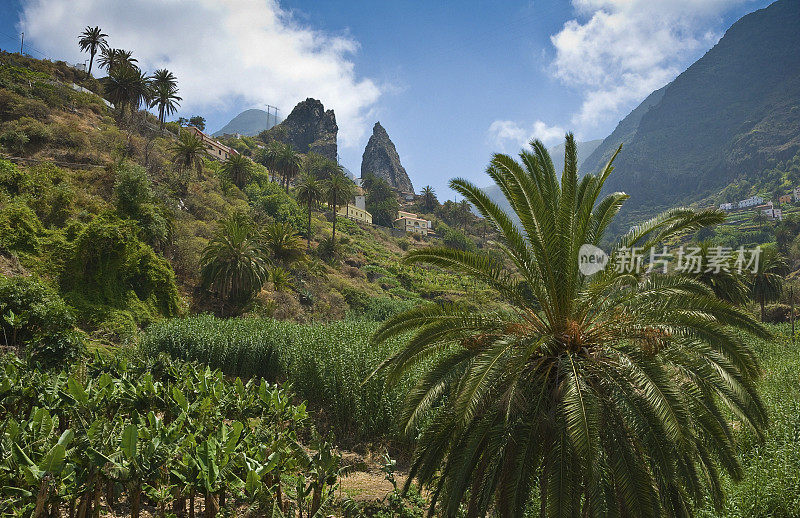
<point>625,49</point>
<point>221,51</point>
<point>505,134</point>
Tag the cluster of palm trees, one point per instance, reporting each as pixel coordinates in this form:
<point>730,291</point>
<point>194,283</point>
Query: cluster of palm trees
<point>241,257</point>
<point>127,86</point>
<point>281,158</point>
<point>615,394</point>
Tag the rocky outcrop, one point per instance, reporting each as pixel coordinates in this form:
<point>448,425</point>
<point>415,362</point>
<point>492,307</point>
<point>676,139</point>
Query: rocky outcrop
<point>309,129</point>
<point>381,160</point>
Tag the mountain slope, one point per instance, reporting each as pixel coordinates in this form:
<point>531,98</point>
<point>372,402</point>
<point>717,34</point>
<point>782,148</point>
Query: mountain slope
<point>249,122</point>
<point>585,150</point>
<point>731,115</point>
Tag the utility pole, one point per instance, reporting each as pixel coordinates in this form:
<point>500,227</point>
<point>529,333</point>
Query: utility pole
<point>21,42</point>
<point>269,108</point>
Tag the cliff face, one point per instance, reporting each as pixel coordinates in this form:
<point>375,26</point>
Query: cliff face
<point>309,129</point>
<point>381,160</point>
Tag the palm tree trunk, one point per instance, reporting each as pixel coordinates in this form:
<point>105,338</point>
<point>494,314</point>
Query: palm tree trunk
<point>91,62</point>
<point>308,237</point>
<point>191,504</point>
<point>334,221</point>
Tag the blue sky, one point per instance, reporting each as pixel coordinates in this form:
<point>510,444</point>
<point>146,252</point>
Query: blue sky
<point>451,82</point>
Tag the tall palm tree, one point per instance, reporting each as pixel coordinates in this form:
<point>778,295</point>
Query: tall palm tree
<point>164,94</point>
<point>604,394</point>
<point>766,283</point>
<point>128,87</point>
<point>338,190</point>
<point>238,168</point>
<point>464,211</point>
<point>235,263</point>
<point>188,152</point>
<point>270,157</point>
<point>310,193</point>
<point>314,164</point>
<point>91,40</point>
<point>289,162</point>
<point>117,58</point>
<point>428,199</point>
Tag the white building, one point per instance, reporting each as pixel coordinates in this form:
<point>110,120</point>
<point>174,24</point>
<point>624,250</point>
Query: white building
<point>726,206</point>
<point>796,193</point>
<point>752,201</point>
<point>773,213</point>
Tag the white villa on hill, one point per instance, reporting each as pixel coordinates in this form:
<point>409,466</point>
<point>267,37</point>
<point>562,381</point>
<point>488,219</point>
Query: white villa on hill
<point>752,201</point>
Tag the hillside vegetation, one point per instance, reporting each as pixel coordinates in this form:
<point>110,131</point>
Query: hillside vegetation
<point>93,204</point>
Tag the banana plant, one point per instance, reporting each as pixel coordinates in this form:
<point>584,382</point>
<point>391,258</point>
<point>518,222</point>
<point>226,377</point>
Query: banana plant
<point>146,451</point>
<point>216,462</point>
<point>40,460</point>
<point>321,471</point>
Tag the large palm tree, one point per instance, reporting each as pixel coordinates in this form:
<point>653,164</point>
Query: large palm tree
<point>270,157</point>
<point>428,199</point>
<point>289,162</point>
<point>766,282</point>
<point>128,87</point>
<point>117,58</point>
<point>164,94</point>
<point>614,394</point>
<point>310,193</point>
<point>338,190</point>
<point>91,40</point>
<point>235,263</point>
<point>188,152</point>
<point>238,168</point>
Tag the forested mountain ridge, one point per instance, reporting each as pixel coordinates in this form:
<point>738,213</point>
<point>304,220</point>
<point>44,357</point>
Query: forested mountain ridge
<point>732,114</point>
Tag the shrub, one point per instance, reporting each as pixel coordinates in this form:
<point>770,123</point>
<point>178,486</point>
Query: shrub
<point>329,250</point>
<point>14,140</point>
<point>20,228</point>
<point>12,179</point>
<point>135,200</point>
<point>453,238</point>
<point>36,132</point>
<point>269,198</point>
<point>36,318</point>
<point>110,270</point>
<point>379,309</point>
<point>69,136</point>
<point>778,313</point>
